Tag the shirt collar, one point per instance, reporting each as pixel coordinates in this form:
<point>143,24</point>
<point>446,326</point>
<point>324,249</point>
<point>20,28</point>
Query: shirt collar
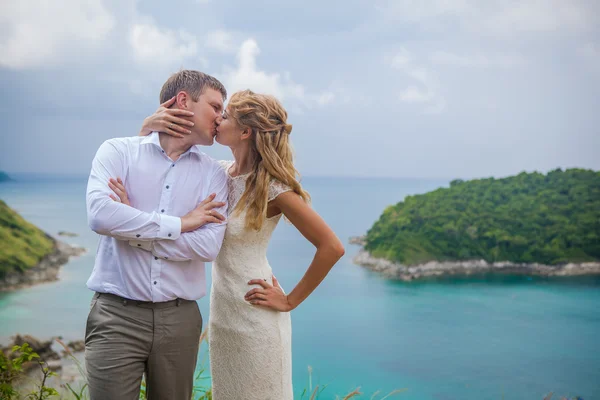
<point>154,138</point>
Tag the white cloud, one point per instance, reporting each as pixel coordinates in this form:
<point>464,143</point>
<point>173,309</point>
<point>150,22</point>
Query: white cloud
<point>495,17</point>
<point>247,75</point>
<point>536,16</point>
<point>479,60</point>
<point>418,10</point>
<point>413,94</point>
<point>325,98</point>
<point>166,47</point>
<point>591,52</point>
<point>402,59</point>
<point>39,33</point>
<point>426,92</point>
<point>220,40</point>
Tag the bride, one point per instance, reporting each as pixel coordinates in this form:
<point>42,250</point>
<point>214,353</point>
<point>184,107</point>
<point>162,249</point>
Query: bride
<point>250,325</point>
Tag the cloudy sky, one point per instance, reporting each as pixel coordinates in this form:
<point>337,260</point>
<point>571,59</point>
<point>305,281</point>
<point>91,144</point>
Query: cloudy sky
<point>406,88</point>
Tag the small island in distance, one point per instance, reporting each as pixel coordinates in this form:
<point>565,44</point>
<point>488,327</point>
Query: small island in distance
<point>531,223</point>
<point>4,177</point>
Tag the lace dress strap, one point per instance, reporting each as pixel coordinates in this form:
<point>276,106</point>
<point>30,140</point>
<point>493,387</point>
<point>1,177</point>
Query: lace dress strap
<point>276,188</point>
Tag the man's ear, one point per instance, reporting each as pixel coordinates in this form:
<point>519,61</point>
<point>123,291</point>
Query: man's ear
<point>183,100</point>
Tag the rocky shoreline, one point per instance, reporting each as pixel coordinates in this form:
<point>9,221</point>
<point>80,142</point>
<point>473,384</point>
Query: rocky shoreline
<point>438,269</point>
<point>46,271</point>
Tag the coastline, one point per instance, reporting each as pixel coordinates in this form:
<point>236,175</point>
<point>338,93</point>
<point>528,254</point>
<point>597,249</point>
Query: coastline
<point>435,269</point>
<point>47,269</point>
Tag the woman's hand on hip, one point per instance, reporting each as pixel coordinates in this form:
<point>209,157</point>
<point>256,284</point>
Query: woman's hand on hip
<point>269,296</point>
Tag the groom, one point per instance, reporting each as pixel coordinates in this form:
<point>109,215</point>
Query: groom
<point>149,268</point>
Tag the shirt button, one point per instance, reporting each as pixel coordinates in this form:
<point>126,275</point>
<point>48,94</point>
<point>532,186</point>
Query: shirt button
<point>163,210</point>
<point>169,235</point>
<point>172,165</point>
<point>167,186</point>
<point>137,235</point>
<point>139,245</point>
<point>156,258</point>
<point>163,151</point>
<point>155,282</point>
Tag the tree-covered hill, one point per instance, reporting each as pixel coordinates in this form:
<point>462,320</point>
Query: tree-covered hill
<point>22,245</point>
<point>531,217</point>
<point>4,177</point>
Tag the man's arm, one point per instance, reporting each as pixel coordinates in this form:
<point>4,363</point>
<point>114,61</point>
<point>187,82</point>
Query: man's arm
<point>204,243</point>
<point>110,218</point>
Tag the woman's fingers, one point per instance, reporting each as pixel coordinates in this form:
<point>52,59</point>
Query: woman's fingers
<point>216,216</point>
<point>207,200</point>
<point>254,291</point>
<point>260,303</point>
<point>179,121</point>
<point>214,204</point>
<point>180,112</point>
<point>168,124</point>
<point>260,282</point>
<point>113,197</point>
<point>257,296</point>
<point>214,220</point>
<point>168,103</point>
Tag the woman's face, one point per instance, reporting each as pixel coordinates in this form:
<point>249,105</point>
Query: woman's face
<point>229,133</point>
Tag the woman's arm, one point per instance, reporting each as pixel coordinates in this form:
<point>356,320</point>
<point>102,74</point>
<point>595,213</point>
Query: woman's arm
<point>168,120</point>
<point>329,251</point>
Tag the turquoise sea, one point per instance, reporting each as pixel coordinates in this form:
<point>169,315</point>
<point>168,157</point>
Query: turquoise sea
<point>512,338</point>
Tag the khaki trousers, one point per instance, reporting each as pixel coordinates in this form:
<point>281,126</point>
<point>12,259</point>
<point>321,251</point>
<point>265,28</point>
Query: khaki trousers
<point>126,339</point>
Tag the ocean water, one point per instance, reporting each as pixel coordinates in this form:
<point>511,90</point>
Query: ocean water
<point>486,338</point>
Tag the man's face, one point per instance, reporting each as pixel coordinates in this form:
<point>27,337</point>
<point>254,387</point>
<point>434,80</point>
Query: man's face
<point>207,114</point>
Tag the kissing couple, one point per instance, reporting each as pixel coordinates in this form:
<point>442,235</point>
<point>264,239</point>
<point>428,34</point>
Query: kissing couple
<point>162,209</point>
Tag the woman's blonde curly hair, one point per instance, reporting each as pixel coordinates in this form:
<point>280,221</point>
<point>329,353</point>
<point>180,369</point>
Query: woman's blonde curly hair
<point>271,152</point>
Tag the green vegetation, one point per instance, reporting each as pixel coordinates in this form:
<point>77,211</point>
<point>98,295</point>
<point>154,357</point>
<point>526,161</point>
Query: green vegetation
<point>4,177</point>
<point>12,372</point>
<point>22,244</point>
<point>11,369</point>
<point>531,217</point>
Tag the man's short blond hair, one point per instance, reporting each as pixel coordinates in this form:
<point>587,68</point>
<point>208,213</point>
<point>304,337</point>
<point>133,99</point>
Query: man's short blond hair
<point>192,82</point>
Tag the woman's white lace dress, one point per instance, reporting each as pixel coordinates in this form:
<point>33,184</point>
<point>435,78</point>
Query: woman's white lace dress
<point>250,346</point>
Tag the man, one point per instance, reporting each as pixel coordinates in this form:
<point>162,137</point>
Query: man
<point>149,269</point>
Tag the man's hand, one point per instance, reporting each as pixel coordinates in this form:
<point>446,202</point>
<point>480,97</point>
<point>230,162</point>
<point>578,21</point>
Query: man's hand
<point>202,215</point>
<point>118,187</point>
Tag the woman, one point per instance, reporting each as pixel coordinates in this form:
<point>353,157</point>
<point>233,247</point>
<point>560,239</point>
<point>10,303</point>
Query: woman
<point>250,325</point>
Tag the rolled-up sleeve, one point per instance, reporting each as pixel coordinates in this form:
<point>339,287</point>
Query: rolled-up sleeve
<point>111,218</point>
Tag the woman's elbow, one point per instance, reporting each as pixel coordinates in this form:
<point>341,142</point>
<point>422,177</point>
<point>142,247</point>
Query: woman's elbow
<point>337,248</point>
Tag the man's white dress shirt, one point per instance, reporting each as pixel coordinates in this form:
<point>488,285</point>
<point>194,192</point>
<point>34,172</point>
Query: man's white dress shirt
<point>142,254</point>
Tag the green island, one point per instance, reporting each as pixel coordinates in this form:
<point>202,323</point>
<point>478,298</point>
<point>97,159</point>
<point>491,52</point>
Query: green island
<point>4,177</point>
<point>22,244</point>
<point>530,218</point>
